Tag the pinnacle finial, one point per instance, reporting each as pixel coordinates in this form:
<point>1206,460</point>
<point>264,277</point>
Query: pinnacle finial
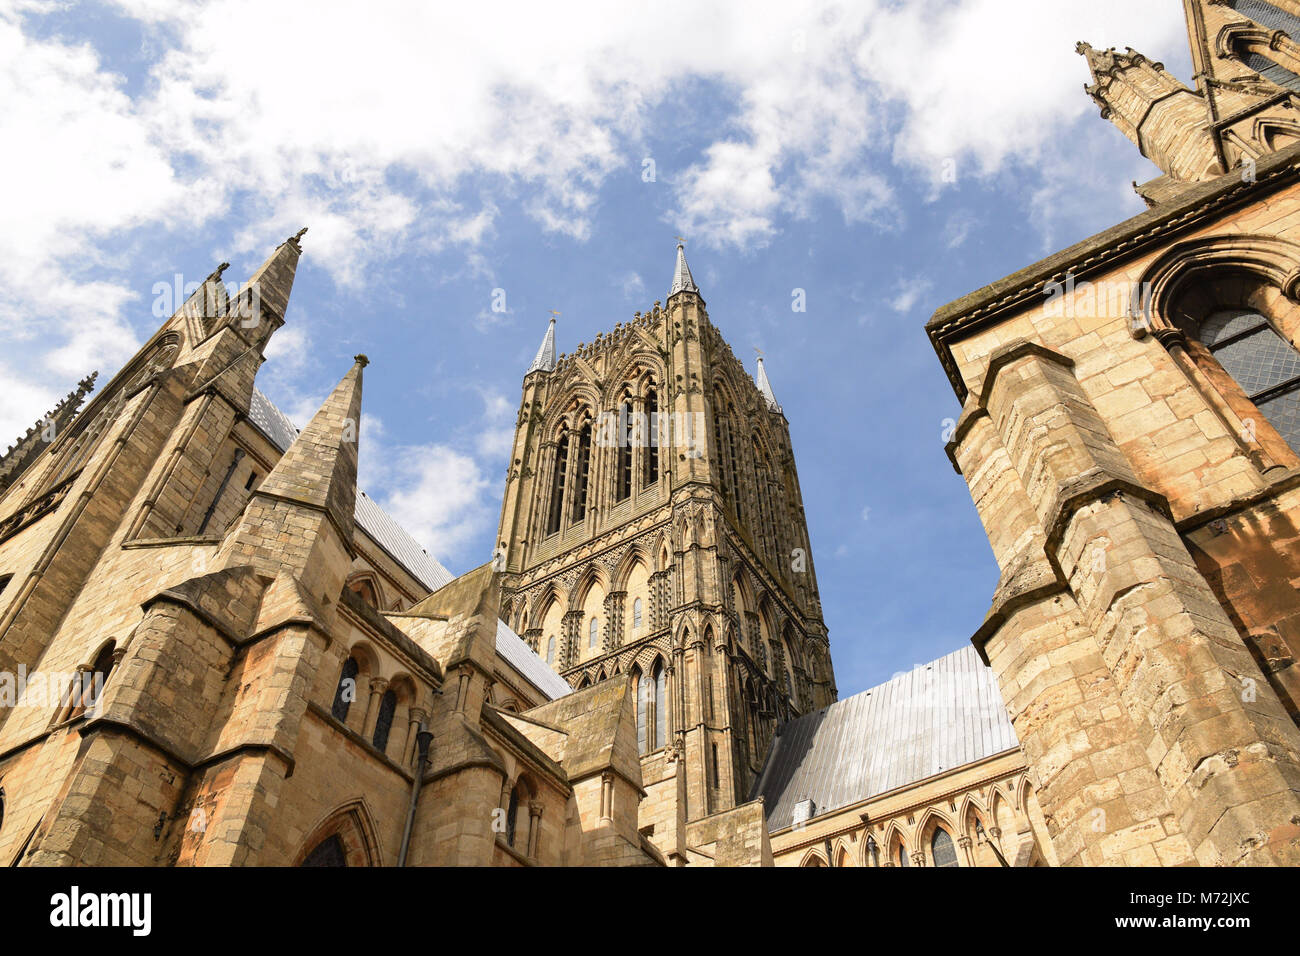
<point>361,360</point>
<point>765,386</point>
<point>545,358</point>
<point>682,278</point>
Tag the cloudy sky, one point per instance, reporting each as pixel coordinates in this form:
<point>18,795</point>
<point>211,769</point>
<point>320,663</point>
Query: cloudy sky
<point>884,157</point>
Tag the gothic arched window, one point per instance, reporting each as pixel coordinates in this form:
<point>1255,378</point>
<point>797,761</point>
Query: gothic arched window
<point>384,721</point>
<point>346,692</point>
<point>583,471</point>
<point>642,706</point>
<point>901,855</point>
<point>329,852</point>
<point>1268,15</point>
<point>623,471</point>
<point>593,632</point>
<point>550,651</point>
<point>93,680</point>
<point>733,466</point>
<point>941,849</point>
<point>652,437</point>
<point>556,512</point>
<point>512,815</point>
<point>1263,363</point>
<point>636,613</point>
<point>719,448</point>
<point>658,686</point>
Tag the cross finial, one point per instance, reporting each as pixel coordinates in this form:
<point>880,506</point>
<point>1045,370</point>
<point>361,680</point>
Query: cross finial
<point>681,240</point>
<point>554,315</point>
<point>759,351</point>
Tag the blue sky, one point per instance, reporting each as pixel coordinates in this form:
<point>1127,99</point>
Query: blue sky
<point>883,157</point>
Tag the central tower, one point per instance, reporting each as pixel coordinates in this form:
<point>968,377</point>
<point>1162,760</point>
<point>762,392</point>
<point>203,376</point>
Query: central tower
<point>653,528</point>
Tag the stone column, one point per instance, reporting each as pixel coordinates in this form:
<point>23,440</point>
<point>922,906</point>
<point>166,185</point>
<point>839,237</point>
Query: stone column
<point>1175,659</point>
<point>417,716</point>
<point>607,797</point>
<point>614,606</point>
<point>377,687</point>
<point>570,648</point>
<point>534,828</point>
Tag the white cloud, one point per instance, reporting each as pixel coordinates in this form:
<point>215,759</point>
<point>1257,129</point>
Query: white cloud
<point>396,126</point>
<point>439,496</point>
<point>633,285</point>
<point>908,292</point>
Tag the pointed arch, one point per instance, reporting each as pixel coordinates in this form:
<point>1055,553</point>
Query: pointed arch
<point>640,369</point>
<point>353,826</point>
<point>896,841</point>
<point>365,585</point>
<point>592,576</point>
<point>813,858</point>
<point>932,821</point>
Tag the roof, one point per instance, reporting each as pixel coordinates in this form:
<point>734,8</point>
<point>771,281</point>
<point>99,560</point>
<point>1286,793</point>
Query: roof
<point>380,527</point>
<point>682,279</point>
<point>917,725</point>
<point>765,387</point>
<point>545,360</point>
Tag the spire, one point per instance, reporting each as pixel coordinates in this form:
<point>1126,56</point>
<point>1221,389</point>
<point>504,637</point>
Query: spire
<point>765,387</point>
<point>271,284</point>
<point>1163,118</point>
<point>54,423</point>
<point>320,467</point>
<point>682,279</point>
<point>545,360</point>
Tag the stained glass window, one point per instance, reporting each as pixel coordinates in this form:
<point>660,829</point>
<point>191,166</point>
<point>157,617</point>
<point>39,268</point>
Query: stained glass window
<point>661,709</point>
<point>1263,363</point>
<point>384,722</point>
<point>347,690</point>
<point>1274,18</point>
<point>328,852</point>
<point>941,848</point>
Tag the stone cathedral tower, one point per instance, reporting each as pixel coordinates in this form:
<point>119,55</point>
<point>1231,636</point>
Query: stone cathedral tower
<point>1129,432</point>
<point>653,526</point>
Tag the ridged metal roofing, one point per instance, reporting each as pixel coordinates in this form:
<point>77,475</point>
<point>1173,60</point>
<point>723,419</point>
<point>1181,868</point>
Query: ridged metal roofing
<point>380,527</point>
<point>683,281</point>
<point>764,386</point>
<point>545,360</point>
<point>937,717</point>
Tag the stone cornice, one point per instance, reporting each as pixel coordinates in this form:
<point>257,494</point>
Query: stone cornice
<point>1198,204</point>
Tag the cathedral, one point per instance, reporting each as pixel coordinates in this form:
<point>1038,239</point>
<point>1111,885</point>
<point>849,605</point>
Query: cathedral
<point>216,650</point>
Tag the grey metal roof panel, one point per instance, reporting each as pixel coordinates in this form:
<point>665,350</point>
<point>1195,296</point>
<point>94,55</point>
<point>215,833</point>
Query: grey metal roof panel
<point>683,281</point>
<point>274,423</point>
<point>545,359</point>
<point>380,527</point>
<point>933,719</point>
<point>516,651</point>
